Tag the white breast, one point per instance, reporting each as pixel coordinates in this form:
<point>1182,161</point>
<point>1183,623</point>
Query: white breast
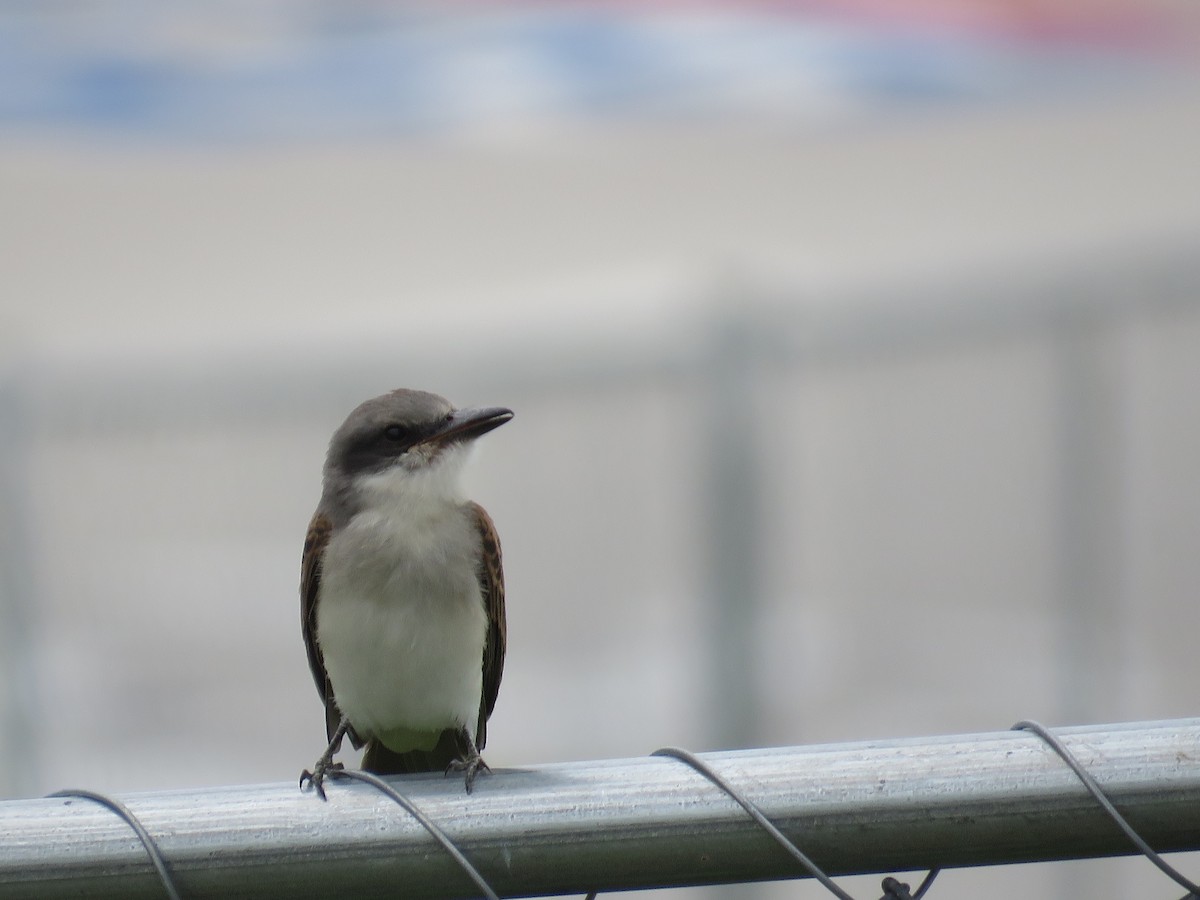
<point>400,618</point>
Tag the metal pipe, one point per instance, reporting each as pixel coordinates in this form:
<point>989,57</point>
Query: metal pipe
<point>733,533</point>
<point>879,806</point>
<point>19,689</point>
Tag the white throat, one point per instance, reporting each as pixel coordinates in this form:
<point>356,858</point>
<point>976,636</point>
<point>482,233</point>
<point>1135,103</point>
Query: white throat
<point>416,481</point>
<point>400,616</point>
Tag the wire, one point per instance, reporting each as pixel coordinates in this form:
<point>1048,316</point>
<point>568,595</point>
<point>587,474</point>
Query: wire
<point>926,883</point>
<point>895,890</point>
<point>431,826</point>
<point>767,825</point>
<point>757,815</point>
<point>1098,793</point>
<point>151,846</point>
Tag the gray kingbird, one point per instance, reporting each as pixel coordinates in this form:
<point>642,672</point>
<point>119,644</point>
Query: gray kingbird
<point>402,590</point>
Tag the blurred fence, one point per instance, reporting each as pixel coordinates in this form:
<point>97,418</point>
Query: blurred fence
<point>754,329</point>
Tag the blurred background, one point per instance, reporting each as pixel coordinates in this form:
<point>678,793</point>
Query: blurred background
<point>853,347</point>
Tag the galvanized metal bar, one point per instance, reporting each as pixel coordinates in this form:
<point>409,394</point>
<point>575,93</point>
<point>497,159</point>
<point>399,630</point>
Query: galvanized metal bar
<point>1091,520</point>
<point>880,806</point>
<point>735,545</point>
<point>18,669</point>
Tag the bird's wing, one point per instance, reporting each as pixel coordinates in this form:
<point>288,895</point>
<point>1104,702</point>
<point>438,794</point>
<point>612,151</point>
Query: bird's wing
<point>491,587</point>
<point>319,530</point>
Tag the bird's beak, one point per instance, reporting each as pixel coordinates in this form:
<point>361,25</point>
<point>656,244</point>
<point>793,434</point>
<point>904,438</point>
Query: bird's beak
<point>468,424</point>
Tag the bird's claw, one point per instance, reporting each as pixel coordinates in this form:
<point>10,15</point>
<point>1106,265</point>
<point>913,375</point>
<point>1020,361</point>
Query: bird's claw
<point>316,778</point>
<point>471,766</point>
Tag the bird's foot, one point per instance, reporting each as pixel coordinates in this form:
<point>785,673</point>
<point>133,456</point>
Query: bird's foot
<point>325,765</point>
<point>316,778</point>
<point>471,766</point>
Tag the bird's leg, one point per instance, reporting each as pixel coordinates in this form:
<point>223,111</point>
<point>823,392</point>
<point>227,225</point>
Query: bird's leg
<point>471,764</point>
<point>325,764</point>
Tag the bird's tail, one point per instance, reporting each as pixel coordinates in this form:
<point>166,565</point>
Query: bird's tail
<point>451,746</point>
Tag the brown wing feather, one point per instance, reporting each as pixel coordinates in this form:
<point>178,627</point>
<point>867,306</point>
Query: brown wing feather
<point>491,585</point>
<point>319,530</point>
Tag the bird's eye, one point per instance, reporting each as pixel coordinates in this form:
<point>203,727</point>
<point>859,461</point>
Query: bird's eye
<point>393,433</point>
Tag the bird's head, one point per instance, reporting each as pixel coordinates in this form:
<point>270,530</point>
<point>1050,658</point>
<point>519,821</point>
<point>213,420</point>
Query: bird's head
<point>407,443</point>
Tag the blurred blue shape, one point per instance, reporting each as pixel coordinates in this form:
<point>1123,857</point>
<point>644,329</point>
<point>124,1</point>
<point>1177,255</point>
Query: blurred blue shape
<point>320,69</point>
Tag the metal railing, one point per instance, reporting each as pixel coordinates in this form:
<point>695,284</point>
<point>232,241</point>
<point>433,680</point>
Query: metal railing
<point>879,806</point>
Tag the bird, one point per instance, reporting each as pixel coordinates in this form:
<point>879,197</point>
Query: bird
<point>402,591</point>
